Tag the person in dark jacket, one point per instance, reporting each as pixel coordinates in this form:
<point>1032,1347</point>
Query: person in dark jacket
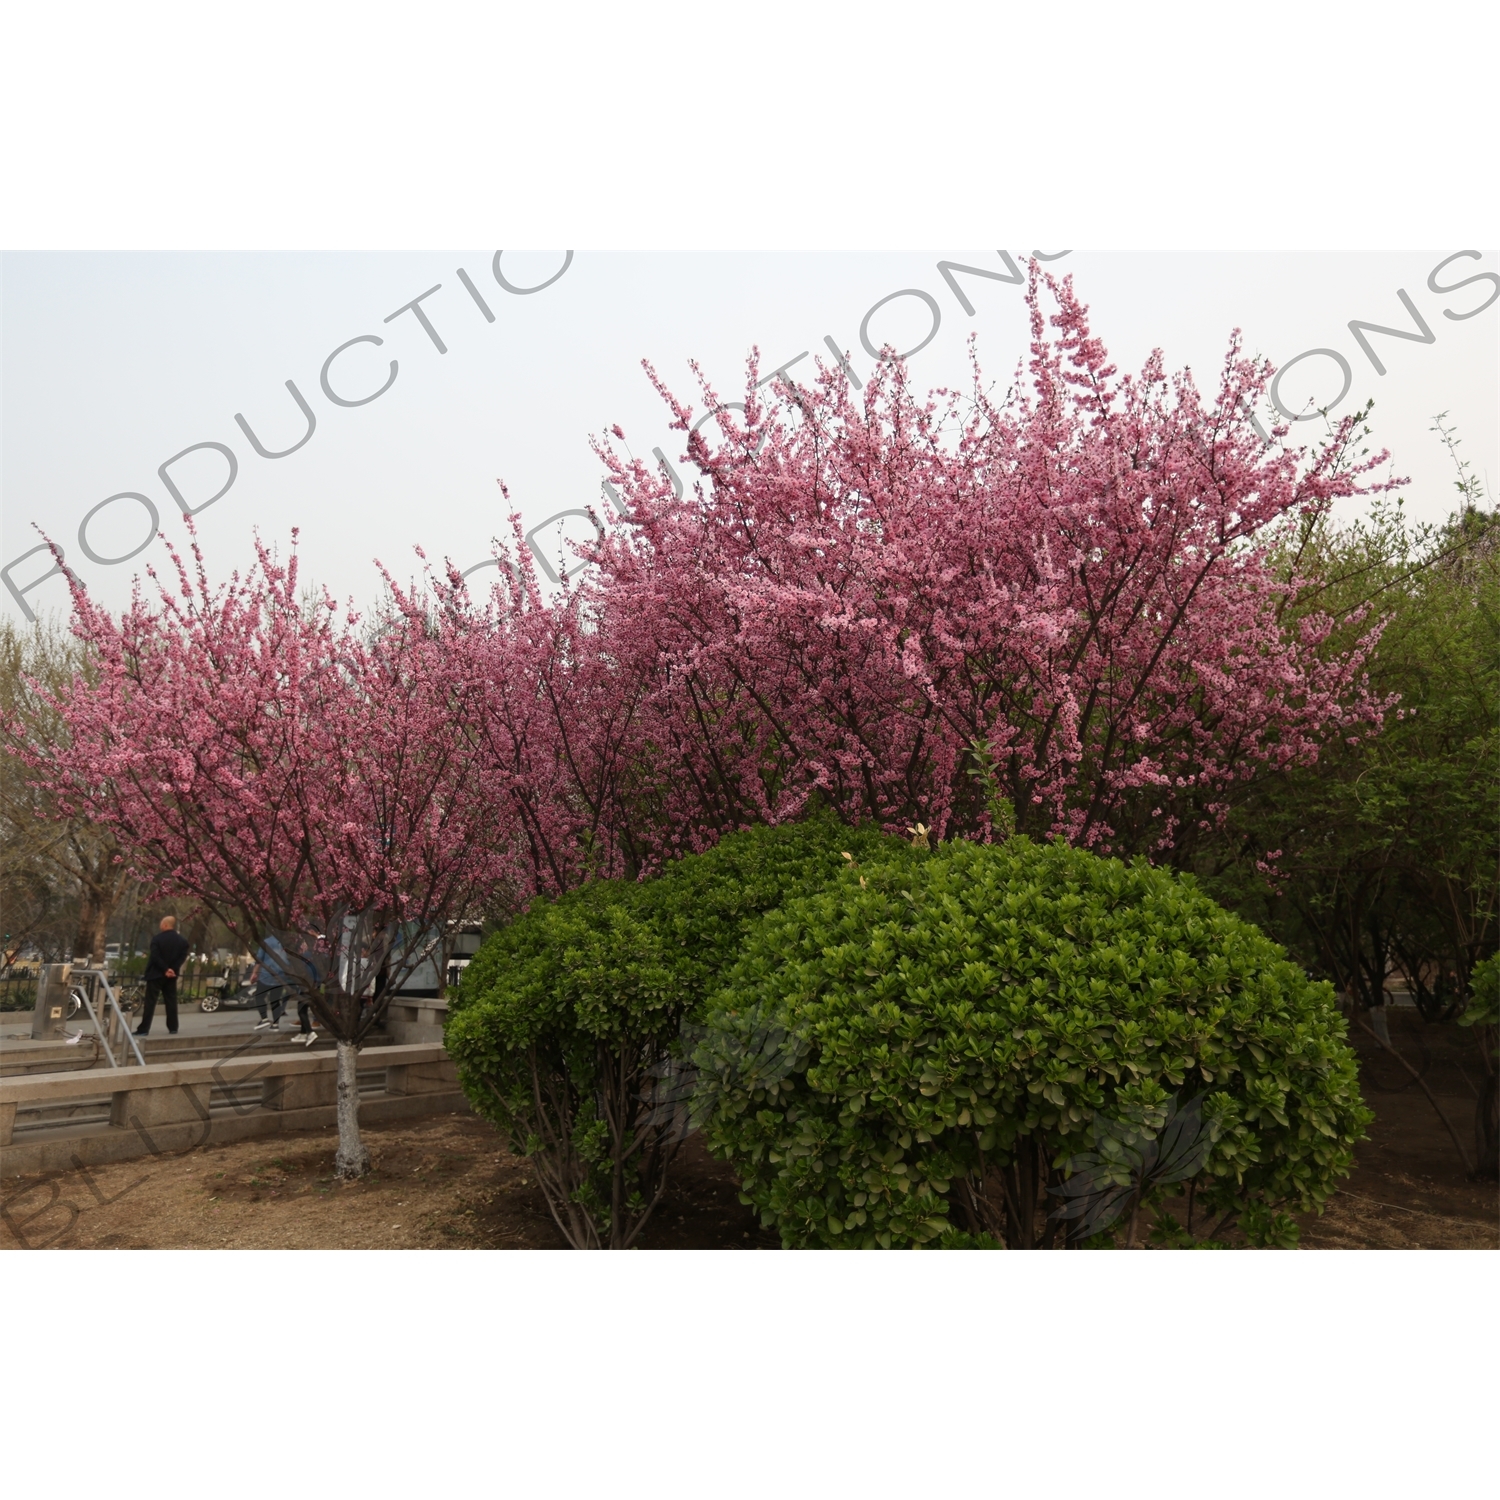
<point>169,950</point>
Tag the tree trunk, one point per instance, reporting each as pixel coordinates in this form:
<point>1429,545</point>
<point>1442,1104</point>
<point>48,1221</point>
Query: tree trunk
<point>1458,1145</point>
<point>1021,1208</point>
<point>93,919</point>
<point>1487,1126</point>
<point>197,931</point>
<point>352,1159</point>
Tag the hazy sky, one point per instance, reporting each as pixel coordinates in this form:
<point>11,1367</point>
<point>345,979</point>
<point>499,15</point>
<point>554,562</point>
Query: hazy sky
<point>113,363</point>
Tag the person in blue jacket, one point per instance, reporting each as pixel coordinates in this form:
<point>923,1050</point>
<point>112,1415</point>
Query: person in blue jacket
<point>268,980</point>
<point>272,977</point>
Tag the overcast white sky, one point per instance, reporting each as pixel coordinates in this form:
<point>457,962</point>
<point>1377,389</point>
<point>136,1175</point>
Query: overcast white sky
<point>114,362</point>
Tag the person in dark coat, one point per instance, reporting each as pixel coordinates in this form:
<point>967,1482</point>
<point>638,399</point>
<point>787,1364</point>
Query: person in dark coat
<point>169,950</point>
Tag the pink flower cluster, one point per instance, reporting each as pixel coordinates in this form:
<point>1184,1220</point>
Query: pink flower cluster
<point>284,763</point>
<point>916,607</point>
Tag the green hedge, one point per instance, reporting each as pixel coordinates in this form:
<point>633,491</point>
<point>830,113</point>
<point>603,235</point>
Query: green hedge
<point>916,1053</point>
<point>567,1028</point>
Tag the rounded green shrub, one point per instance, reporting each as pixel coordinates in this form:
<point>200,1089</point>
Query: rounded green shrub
<point>567,1029</point>
<point>918,1052</point>
<point>1483,1008</point>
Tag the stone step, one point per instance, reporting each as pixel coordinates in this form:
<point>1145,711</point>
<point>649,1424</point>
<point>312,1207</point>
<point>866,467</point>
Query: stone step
<point>81,1113</point>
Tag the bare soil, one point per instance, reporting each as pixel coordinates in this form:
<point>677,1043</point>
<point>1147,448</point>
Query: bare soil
<point>1408,1189</point>
<point>448,1183</point>
<point>436,1184</point>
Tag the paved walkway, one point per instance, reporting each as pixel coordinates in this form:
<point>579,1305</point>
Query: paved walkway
<point>16,1025</point>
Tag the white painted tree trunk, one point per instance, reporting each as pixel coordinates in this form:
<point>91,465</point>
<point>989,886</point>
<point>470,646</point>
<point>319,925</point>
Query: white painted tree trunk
<point>352,1159</point>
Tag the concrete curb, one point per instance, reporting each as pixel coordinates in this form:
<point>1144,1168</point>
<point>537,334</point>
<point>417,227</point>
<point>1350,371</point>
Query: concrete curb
<point>63,1150</point>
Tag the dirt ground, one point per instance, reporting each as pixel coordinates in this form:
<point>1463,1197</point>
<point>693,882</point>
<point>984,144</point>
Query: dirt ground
<point>1408,1189</point>
<point>439,1184</point>
<point>448,1183</point>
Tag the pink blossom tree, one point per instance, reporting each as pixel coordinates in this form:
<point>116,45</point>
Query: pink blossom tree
<point>558,724</point>
<point>303,774</point>
<point>1062,607</point>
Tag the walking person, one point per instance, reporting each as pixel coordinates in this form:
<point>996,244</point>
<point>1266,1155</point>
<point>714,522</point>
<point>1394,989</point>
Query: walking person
<point>269,981</point>
<point>164,960</point>
<point>307,1036</point>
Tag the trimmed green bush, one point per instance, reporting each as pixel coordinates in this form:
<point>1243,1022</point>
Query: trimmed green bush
<point>567,1028</point>
<point>916,1053</point>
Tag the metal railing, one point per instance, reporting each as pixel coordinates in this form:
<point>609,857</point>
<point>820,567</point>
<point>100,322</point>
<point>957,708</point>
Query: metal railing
<point>118,1024</point>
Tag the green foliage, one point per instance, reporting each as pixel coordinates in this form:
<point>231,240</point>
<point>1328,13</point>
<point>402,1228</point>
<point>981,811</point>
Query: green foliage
<point>1386,861</point>
<point>1000,810</point>
<point>1267,1229</point>
<point>1484,999</point>
<point>567,1026</point>
<point>1376,865</point>
<point>958,1239</point>
<point>924,1046</point>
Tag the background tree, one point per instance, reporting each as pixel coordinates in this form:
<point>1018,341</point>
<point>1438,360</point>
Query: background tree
<point>62,881</point>
<point>1386,848</point>
<point>1388,845</point>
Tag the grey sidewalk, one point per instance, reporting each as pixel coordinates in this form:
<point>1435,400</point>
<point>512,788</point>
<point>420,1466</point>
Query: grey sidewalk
<point>16,1025</point>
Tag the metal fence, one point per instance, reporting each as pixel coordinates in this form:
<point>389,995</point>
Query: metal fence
<point>17,990</point>
<point>201,979</point>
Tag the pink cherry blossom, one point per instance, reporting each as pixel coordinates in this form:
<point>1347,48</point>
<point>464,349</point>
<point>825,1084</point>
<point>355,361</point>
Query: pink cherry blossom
<point>857,592</point>
<point>292,770</point>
